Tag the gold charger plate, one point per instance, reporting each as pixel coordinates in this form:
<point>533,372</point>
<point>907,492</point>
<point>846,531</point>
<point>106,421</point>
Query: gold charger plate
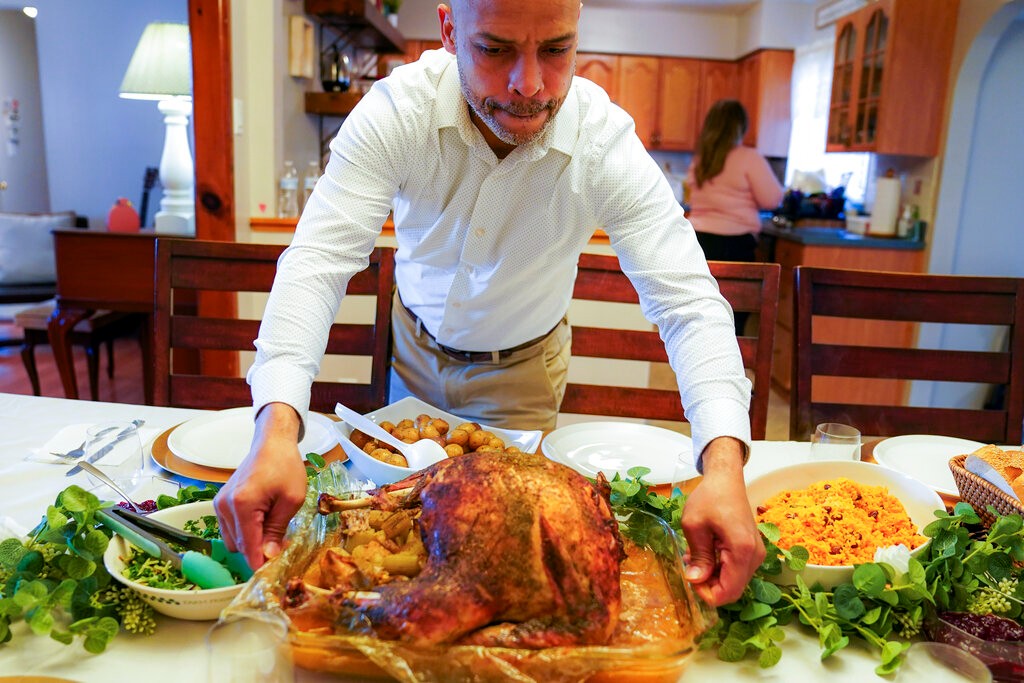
<point>165,458</point>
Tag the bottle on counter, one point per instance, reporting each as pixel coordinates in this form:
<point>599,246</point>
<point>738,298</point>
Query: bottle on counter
<point>309,181</point>
<point>288,195</point>
<point>906,224</point>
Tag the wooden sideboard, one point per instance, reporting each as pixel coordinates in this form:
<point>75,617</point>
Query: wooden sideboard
<point>99,270</point>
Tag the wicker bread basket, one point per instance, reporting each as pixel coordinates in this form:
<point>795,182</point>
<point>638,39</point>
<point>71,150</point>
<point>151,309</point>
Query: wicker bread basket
<point>980,493</point>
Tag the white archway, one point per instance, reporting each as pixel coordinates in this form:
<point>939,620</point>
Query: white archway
<point>978,221</point>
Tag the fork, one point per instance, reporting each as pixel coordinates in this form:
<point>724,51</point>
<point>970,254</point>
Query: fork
<point>76,453</point>
<point>73,454</point>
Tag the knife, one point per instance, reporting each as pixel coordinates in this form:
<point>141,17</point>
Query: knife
<point>106,449</point>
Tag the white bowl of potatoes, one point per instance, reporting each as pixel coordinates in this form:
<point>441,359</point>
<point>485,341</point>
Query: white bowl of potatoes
<point>457,435</point>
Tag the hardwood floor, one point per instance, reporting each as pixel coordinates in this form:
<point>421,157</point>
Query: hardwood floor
<point>125,387</point>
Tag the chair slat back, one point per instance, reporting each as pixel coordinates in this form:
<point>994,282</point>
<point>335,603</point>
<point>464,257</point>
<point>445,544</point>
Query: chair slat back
<point>752,287</point>
<point>185,332</point>
<point>824,294</point>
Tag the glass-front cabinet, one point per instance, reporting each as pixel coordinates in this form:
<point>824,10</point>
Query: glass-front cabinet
<point>872,69</point>
<point>889,77</point>
<point>842,87</point>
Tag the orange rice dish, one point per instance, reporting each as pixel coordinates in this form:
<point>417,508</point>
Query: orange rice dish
<point>839,521</point>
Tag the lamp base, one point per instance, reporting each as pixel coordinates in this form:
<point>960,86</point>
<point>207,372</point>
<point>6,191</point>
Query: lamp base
<point>177,207</point>
<point>174,223</point>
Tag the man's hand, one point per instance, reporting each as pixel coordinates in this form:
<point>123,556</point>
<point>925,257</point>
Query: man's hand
<point>261,497</point>
<point>725,545</point>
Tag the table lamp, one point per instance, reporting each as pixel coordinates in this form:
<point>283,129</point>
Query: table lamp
<point>161,69</point>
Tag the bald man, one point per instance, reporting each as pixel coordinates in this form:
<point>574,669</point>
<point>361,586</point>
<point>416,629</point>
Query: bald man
<point>497,164</point>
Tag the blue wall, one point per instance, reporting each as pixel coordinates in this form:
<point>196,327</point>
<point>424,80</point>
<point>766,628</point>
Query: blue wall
<point>97,145</point>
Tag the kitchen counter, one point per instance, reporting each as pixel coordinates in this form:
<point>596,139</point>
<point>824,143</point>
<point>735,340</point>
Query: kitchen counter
<point>837,237</point>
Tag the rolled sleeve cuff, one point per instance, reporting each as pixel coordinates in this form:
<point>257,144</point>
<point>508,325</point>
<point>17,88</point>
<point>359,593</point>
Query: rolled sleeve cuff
<point>278,384</point>
<point>715,418</point>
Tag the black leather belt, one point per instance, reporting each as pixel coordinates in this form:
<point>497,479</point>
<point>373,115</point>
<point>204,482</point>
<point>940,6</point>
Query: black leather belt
<point>472,356</point>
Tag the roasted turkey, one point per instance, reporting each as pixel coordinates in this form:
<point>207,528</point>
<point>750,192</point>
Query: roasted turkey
<point>521,552</point>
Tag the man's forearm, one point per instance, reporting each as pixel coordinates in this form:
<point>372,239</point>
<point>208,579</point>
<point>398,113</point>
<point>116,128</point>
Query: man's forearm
<point>724,456</point>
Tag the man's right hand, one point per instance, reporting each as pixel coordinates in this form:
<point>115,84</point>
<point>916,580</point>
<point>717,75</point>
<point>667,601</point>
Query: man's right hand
<point>259,500</point>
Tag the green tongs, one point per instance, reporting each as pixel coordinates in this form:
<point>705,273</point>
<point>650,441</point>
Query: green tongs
<point>205,563</point>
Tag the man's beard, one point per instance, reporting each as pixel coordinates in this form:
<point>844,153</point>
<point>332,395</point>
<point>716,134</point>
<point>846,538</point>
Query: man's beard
<point>485,108</point>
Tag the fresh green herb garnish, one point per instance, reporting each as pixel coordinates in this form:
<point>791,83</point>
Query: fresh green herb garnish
<point>882,605</point>
<point>187,494</point>
<point>55,581</point>
<point>632,494</point>
<point>964,569</point>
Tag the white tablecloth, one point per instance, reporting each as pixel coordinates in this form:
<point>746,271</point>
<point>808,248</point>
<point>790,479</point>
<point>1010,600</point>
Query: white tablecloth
<point>177,651</point>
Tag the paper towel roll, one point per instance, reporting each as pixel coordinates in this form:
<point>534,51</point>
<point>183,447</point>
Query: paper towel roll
<point>886,209</point>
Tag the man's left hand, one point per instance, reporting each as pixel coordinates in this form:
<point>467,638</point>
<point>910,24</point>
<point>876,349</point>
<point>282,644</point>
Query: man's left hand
<point>725,545</point>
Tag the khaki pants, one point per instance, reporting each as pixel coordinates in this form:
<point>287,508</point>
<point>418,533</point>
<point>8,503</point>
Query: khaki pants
<point>520,391</point>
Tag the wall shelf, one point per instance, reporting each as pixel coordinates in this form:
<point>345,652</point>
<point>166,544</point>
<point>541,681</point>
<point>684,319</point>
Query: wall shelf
<point>331,103</point>
<point>359,28</point>
<point>360,20</point>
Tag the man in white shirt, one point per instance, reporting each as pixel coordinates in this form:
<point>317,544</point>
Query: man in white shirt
<point>493,203</point>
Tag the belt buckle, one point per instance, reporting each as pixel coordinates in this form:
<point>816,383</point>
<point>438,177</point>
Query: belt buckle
<point>457,354</point>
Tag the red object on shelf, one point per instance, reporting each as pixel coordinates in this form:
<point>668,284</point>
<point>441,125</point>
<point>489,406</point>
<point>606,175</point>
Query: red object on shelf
<point>123,217</point>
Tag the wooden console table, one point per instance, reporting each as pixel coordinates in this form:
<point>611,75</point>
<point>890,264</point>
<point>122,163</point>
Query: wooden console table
<point>102,270</point>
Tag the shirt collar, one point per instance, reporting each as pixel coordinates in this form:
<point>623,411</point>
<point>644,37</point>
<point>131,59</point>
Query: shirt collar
<point>453,112</point>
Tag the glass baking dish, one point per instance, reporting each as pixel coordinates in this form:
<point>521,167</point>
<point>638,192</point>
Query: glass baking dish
<point>632,658</point>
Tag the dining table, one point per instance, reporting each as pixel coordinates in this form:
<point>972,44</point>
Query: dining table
<point>177,650</point>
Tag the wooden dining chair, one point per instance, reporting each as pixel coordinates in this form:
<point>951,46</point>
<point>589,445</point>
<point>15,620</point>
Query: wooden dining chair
<point>188,335</point>
<point>749,287</point>
<point>840,375</point>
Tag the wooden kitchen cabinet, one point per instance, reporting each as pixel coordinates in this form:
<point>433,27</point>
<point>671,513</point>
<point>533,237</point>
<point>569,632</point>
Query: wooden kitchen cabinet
<point>601,69</point>
<point>678,118</point>
<point>890,75</point>
<point>764,90</point>
<point>638,93</point>
<point>718,81</point>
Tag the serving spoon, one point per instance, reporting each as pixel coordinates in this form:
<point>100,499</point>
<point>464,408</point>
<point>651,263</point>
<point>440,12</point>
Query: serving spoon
<point>420,454</point>
<point>102,476</point>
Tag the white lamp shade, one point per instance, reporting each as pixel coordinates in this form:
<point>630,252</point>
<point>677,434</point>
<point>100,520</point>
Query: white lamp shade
<point>161,66</point>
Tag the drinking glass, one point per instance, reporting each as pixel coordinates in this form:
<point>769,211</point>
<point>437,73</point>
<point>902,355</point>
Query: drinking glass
<point>120,452</point>
<point>249,650</point>
<point>835,441</point>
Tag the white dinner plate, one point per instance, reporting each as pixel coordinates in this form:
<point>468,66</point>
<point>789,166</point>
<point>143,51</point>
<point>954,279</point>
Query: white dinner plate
<point>615,447</point>
<point>221,439</point>
<point>925,458</point>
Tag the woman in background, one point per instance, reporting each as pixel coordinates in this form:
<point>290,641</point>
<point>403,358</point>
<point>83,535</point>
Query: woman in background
<point>727,184</point>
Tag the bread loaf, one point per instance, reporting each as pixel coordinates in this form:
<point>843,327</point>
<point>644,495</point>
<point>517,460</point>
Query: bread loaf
<point>1008,464</point>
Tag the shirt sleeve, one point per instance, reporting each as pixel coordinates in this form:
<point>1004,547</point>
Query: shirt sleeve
<point>333,239</point>
<point>658,251</point>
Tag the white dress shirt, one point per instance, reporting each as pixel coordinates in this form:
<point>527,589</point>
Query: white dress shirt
<point>487,247</point>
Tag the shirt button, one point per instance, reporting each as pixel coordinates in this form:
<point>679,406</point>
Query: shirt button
<point>448,330</point>
<point>456,305</point>
<point>479,232</point>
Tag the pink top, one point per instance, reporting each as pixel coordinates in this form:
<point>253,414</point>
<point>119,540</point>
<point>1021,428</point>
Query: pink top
<point>728,203</point>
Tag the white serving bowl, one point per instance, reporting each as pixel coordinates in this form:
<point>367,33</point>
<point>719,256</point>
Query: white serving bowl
<point>194,605</point>
<point>408,408</point>
<point>919,500</point>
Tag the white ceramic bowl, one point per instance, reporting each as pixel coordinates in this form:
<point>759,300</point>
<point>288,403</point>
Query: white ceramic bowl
<point>195,605</point>
<point>408,408</point>
<point>919,500</point>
